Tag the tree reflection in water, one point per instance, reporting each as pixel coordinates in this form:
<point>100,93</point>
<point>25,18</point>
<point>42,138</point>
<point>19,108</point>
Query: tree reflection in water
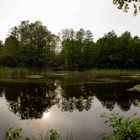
<point>116,94</point>
<point>72,104</point>
<point>31,100</point>
<point>75,97</point>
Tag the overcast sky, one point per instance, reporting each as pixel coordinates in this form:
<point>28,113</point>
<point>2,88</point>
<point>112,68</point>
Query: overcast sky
<point>98,16</point>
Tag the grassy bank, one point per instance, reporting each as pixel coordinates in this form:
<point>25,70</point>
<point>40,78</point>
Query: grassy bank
<point>94,74</point>
<point>23,73</point>
<point>14,73</point>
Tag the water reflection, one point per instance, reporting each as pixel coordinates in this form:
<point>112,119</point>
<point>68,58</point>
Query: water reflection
<point>29,101</point>
<point>46,115</point>
<point>116,94</point>
<point>32,100</point>
<point>72,104</point>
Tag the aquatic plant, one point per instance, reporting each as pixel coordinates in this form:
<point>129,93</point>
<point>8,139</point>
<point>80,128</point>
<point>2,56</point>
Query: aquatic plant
<point>54,135</point>
<point>15,134</point>
<point>134,88</point>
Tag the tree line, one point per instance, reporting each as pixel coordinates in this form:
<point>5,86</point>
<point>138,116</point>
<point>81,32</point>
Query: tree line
<point>32,45</point>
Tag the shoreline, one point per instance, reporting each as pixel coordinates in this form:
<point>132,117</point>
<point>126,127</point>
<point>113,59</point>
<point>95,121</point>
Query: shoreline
<point>22,75</point>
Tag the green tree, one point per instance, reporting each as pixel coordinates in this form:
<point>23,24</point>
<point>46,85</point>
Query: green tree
<point>85,40</point>
<point>12,52</point>
<point>117,52</point>
<point>38,43</point>
<point>105,50</point>
<point>1,52</point>
<point>77,49</point>
<point>125,51</point>
<point>67,37</point>
<point>1,43</point>
<point>136,52</point>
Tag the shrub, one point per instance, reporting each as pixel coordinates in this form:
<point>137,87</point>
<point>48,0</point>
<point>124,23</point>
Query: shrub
<point>13,134</point>
<point>124,128</point>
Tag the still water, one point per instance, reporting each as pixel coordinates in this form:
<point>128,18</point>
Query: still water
<point>72,109</point>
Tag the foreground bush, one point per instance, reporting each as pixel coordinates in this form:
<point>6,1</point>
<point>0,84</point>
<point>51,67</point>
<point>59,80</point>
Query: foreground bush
<point>124,128</point>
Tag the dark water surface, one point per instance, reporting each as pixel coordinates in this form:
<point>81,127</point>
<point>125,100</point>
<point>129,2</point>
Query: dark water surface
<point>72,109</point>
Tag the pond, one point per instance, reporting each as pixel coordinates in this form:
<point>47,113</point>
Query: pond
<point>74,110</point>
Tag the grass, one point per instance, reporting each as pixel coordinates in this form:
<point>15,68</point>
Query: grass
<point>111,72</point>
<point>14,73</point>
<point>93,74</point>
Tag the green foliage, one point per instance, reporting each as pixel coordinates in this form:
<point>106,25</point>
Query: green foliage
<point>29,45</point>
<point>117,52</point>
<point>54,135</point>
<point>126,4</point>
<point>77,49</point>
<point>14,134</point>
<point>79,52</point>
<point>1,44</point>
<point>6,72</point>
<point>32,45</point>
<point>124,128</point>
